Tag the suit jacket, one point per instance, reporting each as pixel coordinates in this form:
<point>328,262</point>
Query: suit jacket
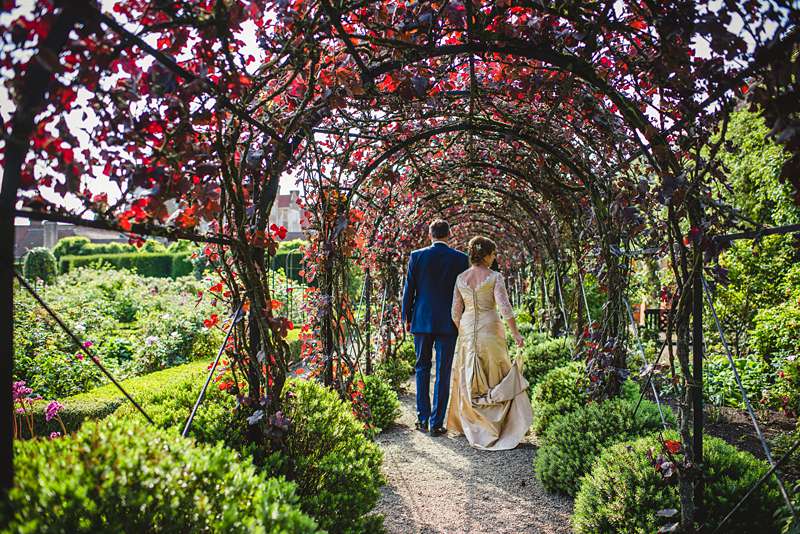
<point>428,291</point>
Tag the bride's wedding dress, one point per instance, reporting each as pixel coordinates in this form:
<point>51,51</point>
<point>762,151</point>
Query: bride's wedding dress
<point>488,395</point>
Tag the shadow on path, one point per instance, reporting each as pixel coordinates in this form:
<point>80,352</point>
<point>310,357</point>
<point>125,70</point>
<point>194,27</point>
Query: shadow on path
<point>443,485</point>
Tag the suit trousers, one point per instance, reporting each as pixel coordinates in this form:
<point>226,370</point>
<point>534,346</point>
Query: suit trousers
<point>445,345</point>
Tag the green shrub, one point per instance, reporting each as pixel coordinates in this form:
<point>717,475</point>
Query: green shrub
<point>382,401</point>
<point>541,358</point>
<point>407,352</point>
<point>40,264</point>
<point>135,325</point>
<point>564,390</point>
<point>395,371</point>
<point>217,420</point>
<point>182,264</point>
<point>623,491</point>
<point>335,465</point>
<point>574,440</point>
<point>105,400</point>
<point>291,262</point>
<point>125,476</point>
<point>157,265</point>
<point>560,391</point>
<point>70,246</point>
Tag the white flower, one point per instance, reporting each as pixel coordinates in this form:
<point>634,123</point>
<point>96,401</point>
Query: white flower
<point>175,334</point>
<point>257,416</point>
<point>151,340</point>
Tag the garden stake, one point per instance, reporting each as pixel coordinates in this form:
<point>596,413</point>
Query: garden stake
<point>747,401</point>
<point>650,372</point>
<point>234,319</point>
<point>79,343</point>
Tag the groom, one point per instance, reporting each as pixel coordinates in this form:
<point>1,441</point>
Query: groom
<point>427,299</point>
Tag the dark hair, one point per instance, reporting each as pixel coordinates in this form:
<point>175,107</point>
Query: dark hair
<point>439,229</point>
<point>479,248</point>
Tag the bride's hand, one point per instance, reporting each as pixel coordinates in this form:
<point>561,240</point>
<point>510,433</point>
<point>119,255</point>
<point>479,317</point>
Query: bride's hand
<point>519,340</point>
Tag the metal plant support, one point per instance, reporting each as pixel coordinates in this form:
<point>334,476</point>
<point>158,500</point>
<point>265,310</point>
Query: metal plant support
<point>749,407</point>
<point>237,315</point>
<point>78,343</point>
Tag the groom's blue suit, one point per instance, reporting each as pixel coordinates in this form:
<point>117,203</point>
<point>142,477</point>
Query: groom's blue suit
<point>427,300</point>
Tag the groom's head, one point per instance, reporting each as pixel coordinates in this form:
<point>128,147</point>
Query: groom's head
<point>439,230</point>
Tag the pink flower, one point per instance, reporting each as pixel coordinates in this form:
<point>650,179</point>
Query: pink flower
<point>52,410</point>
<point>79,356</point>
<point>19,390</point>
<point>54,435</point>
<point>87,344</point>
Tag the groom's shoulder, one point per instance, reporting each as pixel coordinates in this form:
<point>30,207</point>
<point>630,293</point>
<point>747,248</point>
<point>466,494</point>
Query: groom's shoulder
<point>457,253</point>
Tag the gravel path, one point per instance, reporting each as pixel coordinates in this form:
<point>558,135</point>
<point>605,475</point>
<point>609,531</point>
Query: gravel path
<point>442,484</point>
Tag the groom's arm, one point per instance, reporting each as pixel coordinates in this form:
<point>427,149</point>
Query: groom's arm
<point>409,294</point>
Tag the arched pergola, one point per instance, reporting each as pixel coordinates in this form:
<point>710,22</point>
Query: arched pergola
<point>591,114</point>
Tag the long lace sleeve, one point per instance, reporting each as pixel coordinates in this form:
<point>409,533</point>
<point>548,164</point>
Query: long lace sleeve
<point>457,308</point>
<point>501,297</point>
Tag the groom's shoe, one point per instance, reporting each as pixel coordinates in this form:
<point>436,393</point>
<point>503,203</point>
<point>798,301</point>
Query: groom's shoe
<point>438,431</point>
<point>422,427</point>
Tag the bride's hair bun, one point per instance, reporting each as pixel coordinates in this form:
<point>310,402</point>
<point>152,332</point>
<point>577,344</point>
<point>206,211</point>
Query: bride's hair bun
<point>479,248</point>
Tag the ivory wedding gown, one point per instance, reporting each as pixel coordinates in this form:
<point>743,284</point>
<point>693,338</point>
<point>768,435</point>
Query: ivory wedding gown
<point>488,395</point>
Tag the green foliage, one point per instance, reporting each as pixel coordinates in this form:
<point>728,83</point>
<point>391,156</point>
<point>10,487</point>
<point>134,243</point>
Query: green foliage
<point>407,352</point>
<point>542,357</point>
<point>759,278</point>
<point>70,246</point>
<point>564,390</point>
<point>105,400</point>
<point>182,246</point>
<point>134,324</point>
<point>382,400</point>
<point>776,331</point>
<point>125,476</point>
<point>292,245</point>
<point>291,262</point>
<point>623,491</point>
<point>753,169</point>
<point>574,441</point>
<point>719,385</point>
<point>560,391</point>
<point>395,371</point>
<point>157,265</point>
<point>40,264</point>
<point>335,466</point>
<point>218,419</point>
<point>182,264</point>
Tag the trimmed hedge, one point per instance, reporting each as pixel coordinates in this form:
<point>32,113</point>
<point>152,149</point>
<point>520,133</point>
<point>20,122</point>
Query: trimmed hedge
<point>153,264</point>
<point>291,261</point>
<point>574,441</point>
<point>105,400</point>
<point>382,400</point>
<point>541,358</point>
<point>39,264</point>
<point>182,264</point>
<point>564,390</point>
<point>126,476</point>
<point>623,491</point>
<point>336,467</point>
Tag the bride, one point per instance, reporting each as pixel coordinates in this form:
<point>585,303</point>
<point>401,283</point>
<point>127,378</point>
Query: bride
<point>488,399</point>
